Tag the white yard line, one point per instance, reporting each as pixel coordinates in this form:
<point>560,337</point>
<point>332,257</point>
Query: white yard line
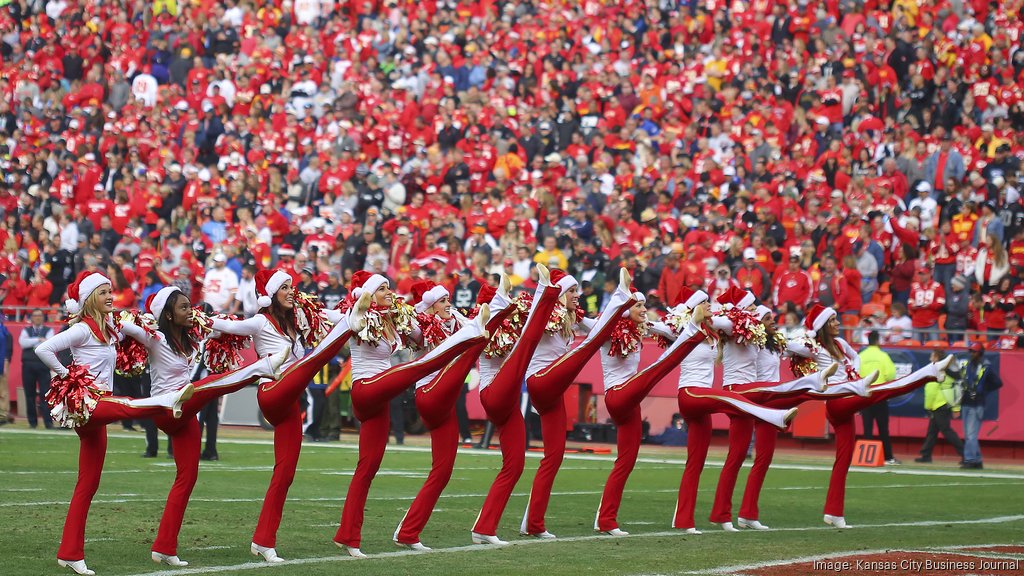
<point>578,457</point>
<point>534,542</point>
<point>481,495</point>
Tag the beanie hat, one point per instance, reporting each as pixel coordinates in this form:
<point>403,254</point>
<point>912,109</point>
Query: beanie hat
<point>816,318</point>
<point>692,298</point>
<point>82,288</point>
<point>156,301</point>
<point>363,281</point>
<point>268,282</point>
<point>486,294</point>
<point>562,280</point>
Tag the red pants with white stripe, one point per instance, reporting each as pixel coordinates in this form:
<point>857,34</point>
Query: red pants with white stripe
<point>370,399</point>
<point>547,389</point>
<point>436,404</point>
<point>186,441</point>
<point>840,414</point>
<point>92,451</point>
<point>740,430</point>
<point>279,402</point>
<point>623,404</point>
<point>501,400</point>
<point>696,405</point>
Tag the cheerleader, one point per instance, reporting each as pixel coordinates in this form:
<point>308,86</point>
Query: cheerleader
<point>173,353</point>
<point>80,398</point>
<point>375,383</point>
<point>502,369</point>
<point>287,324</point>
<point>625,388</point>
<point>697,402</point>
<point>752,369</point>
<point>437,393</point>
<point>824,347</point>
<point>552,370</point>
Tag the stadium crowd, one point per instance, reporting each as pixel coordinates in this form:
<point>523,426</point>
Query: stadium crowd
<point>864,155</point>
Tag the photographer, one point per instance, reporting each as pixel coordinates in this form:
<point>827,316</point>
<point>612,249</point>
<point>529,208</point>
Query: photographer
<point>979,379</point>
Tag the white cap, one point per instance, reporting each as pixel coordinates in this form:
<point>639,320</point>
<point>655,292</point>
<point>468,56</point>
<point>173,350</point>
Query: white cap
<point>749,254</point>
<point>923,186</point>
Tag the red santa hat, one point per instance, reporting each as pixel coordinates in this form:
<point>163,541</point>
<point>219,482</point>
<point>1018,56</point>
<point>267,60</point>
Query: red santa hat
<point>157,301</point>
<point>562,280</point>
<point>426,293</point>
<point>268,282</point>
<point>762,311</point>
<point>486,294</point>
<point>82,288</point>
<point>816,318</point>
<point>692,298</point>
<point>736,297</point>
<point>363,281</point>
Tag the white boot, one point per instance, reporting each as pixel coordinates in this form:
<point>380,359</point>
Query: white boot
<point>277,361</point>
<point>616,532</point>
<point>728,527</point>
<point>826,374</point>
<point>752,524</point>
<point>482,318</point>
<point>860,387</point>
<point>77,566</point>
<point>485,539</point>
<point>501,298</point>
<point>625,281</point>
<point>351,551</point>
<point>268,554</point>
<point>169,560</point>
<point>941,366</point>
<point>545,535</point>
<point>357,316</point>
<point>836,521</point>
<point>183,396</point>
<point>543,275</point>
<point>415,546</point>
<point>693,531</point>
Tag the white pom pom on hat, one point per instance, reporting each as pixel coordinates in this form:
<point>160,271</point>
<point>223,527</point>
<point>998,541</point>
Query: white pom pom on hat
<point>268,282</point>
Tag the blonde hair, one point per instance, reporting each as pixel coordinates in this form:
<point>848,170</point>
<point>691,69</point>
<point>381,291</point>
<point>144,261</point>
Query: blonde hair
<point>91,309</point>
<point>568,320</point>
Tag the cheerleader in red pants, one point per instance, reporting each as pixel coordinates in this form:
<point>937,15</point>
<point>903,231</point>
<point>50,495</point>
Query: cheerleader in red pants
<point>390,325</point>
<point>824,347</point>
<point>173,351</point>
<point>80,398</point>
<point>502,369</point>
<point>551,371</point>
<point>698,401</point>
<point>625,388</point>
<point>287,324</point>
<point>437,393</point>
<point>751,368</point>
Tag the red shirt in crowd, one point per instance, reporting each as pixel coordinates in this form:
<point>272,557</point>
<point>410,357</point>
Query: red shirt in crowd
<point>926,302</point>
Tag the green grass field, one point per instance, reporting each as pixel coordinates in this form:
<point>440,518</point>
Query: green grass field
<point>905,507</point>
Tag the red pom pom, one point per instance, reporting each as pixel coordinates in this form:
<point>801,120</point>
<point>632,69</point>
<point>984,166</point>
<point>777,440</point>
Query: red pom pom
<point>73,397</point>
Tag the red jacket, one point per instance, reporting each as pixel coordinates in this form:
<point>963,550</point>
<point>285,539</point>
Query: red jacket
<point>795,287</point>
<point>926,303</point>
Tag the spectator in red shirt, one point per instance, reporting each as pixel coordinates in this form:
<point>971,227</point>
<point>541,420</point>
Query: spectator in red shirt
<point>672,281</point>
<point>793,285</point>
<point>752,276</point>
<point>927,299</point>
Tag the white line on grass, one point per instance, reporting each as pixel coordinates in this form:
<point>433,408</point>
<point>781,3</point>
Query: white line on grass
<point>580,457</point>
<point>534,542</point>
<point>522,495</point>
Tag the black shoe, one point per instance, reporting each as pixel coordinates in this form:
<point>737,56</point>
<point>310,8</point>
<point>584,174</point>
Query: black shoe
<point>130,429</point>
<point>923,460</point>
<point>311,438</point>
<point>149,454</point>
<point>209,457</point>
<point>333,438</point>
